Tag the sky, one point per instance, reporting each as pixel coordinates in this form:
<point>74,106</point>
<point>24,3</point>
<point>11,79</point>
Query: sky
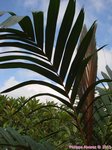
<point>99,10</point>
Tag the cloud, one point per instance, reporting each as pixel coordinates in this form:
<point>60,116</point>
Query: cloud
<point>104,58</point>
<point>30,3</point>
<point>10,82</point>
<point>99,5</point>
<point>29,90</point>
<point>36,4</point>
<point>27,74</point>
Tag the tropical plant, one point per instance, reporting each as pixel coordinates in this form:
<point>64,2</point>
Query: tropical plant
<point>11,140</point>
<point>53,123</point>
<point>103,104</point>
<point>71,74</point>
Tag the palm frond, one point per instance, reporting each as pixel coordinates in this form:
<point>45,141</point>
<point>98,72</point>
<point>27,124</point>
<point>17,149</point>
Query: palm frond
<point>9,138</point>
<point>57,61</point>
<point>103,106</point>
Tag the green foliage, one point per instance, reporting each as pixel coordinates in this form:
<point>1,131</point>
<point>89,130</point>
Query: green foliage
<point>10,139</point>
<point>11,122</point>
<point>56,62</point>
<point>103,108</point>
<point>43,122</point>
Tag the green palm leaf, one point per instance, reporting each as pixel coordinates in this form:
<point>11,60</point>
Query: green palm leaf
<point>103,109</point>
<point>39,28</point>
<point>51,26</point>
<point>10,139</point>
<point>63,33</point>
<point>71,44</point>
<point>57,61</point>
<point>56,88</point>
<point>32,67</point>
<point>11,21</point>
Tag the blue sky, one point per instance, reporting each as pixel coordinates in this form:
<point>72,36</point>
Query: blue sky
<point>99,10</point>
